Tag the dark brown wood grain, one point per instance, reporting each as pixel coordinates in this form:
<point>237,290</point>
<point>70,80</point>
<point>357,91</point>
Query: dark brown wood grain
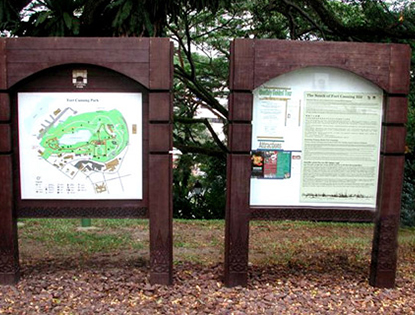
<point>274,58</point>
<point>160,107</point>
<point>384,252</point>
<point>396,110</point>
<point>348,214</point>
<point>3,65</point>
<point>9,256</point>
<point>240,107</point>
<point>239,133</point>
<point>237,220</point>
<point>61,56</point>
<point>242,64</point>
<point>161,212</point>
<point>5,139</point>
<point>391,178</point>
<point>71,43</point>
<point>4,107</point>
<point>160,162</point>
<point>160,78</point>
<point>6,200</point>
<point>160,138</point>
<point>27,56</point>
<point>393,139</point>
<point>400,61</point>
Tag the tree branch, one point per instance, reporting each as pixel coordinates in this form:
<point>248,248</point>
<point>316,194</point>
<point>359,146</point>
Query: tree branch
<point>198,89</point>
<point>204,121</point>
<point>201,150</point>
<point>331,21</point>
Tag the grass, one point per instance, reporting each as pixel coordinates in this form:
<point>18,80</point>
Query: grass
<point>64,237</point>
<point>201,241</point>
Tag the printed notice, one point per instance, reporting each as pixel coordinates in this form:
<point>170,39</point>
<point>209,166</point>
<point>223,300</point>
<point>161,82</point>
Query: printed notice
<point>341,141</point>
<point>271,164</point>
<point>276,115</point>
<point>80,145</point>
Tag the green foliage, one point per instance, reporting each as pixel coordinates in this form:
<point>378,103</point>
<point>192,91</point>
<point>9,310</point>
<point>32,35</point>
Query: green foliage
<point>206,172</point>
<point>51,18</point>
<point>408,192</point>
<point>408,195</point>
<point>9,16</point>
<point>213,199</point>
<point>95,17</point>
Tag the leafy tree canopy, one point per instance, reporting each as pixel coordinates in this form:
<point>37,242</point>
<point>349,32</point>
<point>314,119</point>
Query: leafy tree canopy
<point>94,17</point>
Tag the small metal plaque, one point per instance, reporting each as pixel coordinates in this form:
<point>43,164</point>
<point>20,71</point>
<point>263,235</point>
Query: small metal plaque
<point>80,78</point>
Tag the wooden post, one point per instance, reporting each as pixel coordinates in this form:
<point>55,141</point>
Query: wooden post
<point>9,257</point>
<point>237,221</point>
<point>160,163</point>
<point>385,238</point>
<point>239,164</point>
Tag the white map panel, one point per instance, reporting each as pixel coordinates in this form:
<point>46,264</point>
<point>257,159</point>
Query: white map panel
<point>80,145</point>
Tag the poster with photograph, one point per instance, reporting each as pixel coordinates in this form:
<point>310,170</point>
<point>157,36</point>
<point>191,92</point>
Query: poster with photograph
<point>271,164</point>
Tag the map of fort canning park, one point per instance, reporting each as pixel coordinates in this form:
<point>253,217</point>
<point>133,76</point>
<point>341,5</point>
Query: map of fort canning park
<point>80,145</point>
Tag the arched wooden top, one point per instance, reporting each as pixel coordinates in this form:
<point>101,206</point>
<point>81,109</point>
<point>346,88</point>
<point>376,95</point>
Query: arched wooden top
<point>255,62</point>
<point>145,60</point>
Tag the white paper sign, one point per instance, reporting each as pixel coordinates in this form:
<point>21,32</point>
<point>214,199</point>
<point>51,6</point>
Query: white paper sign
<point>80,145</point>
<point>341,147</point>
<point>291,120</point>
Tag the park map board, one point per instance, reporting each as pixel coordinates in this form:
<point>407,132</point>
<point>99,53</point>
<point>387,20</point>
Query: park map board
<point>85,132</point>
<point>80,145</point>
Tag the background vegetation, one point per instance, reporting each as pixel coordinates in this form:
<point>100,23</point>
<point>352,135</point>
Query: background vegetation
<point>201,30</point>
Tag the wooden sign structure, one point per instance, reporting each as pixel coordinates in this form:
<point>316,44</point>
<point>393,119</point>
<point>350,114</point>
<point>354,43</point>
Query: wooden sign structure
<point>255,65</point>
<point>85,132</point>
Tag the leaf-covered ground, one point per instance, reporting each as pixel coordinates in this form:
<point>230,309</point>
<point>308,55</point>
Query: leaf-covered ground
<point>295,268</point>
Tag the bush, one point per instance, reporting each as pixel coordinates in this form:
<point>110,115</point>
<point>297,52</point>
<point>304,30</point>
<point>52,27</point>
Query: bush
<point>408,195</point>
<point>408,192</point>
<point>209,200</point>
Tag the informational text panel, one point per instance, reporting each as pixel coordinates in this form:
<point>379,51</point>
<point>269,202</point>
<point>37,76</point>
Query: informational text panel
<point>316,140</point>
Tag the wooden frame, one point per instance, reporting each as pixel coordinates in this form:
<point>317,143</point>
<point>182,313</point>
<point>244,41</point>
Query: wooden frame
<point>254,62</point>
<point>113,65</point>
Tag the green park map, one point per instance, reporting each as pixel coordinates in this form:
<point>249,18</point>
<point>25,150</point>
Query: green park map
<point>100,135</point>
<point>89,146</point>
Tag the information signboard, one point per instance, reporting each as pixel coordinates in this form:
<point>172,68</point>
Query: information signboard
<point>316,140</point>
<point>85,132</point>
<point>80,145</point>
<point>316,132</point>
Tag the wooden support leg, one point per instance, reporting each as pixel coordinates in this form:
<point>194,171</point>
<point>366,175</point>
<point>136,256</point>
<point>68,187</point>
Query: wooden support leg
<point>385,239</point>
<point>9,254</point>
<point>161,230</point>
<point>237,221</point>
